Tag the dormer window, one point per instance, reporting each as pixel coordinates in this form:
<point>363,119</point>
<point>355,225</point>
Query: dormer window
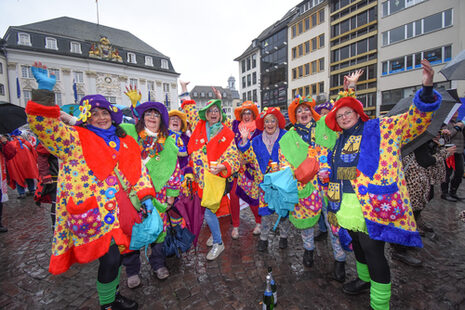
<point>24,39</point>
<point>132,58</point>
<point>164,64</point>
<point>75,47</point>
<point>149,61</point>
<point>56,72</point>
<point>51,43</point>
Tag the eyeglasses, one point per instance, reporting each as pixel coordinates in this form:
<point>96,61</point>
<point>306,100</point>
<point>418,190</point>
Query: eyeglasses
<point>152,113</point>
<point>213,111</point>
<point>346,114</point>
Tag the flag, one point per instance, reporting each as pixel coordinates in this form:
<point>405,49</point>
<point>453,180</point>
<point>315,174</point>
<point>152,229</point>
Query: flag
<point>149,95</point>
<point>18,88</point>
<point>75,91</point>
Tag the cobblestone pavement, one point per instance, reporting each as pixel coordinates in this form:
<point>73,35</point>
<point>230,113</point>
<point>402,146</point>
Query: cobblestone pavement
<point>236,279</point>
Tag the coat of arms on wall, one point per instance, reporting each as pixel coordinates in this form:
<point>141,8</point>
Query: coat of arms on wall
<point>104,50</point>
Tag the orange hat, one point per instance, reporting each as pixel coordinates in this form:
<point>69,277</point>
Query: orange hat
<point>298,101</point>
<point>182,116</point>
<point>350,102</point>
<point>246,105</point>
<point>274,111</point>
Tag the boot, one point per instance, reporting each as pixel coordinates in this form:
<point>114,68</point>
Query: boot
<point>340,271</point>
<point>453,194</point>
<point>308,258</point>
<point>282,243</point>
<point>356,287</point>
<point>262,245</point>
<point>121,303</point>
<point>447,197</point>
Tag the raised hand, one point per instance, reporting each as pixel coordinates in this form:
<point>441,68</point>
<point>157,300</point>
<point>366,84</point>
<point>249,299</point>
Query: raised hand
<point>184,85</point>
<point>427,74</point>
<point>134,95</point>
<point>217,93</point>
<point>351,80</point>
<point>244,134</point>
<point>41,76</point>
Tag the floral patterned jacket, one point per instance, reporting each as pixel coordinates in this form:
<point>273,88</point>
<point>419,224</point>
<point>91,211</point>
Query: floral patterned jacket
<point>87,209</point>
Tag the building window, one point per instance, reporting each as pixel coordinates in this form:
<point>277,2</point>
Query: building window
<point>26,72</point>
<point>322,87</point>
<point>322,40</point>
<point>149,61</point>
<point>2,90</point>
<point>133,83</point>
<point>150,85</point>
<point>58,100</point>
<point>1,68</point>
<point>243,82</point>
<point>51,43</point>
<point>307,68</point>
<point>307,23</point>
<point>394,6</point>
<point>243,65</point>
<point>322,15</point>
<point>166,88</point>
<point>300,71</point>
<point>55,72</point>
<point>249,95</point>
<point>244,96</point>
<point>314,67</point>
<point>78,77</point>
<point>314,44</point>
<point>132,58</point>
<point>111,99</point>
<point>418,27</point>
<point>24,39</point>
<point>164,64</point>
<point>254,78</point>
<point>27,96</point>
<point>314,23</point>
<point>249,80</point>
<point>75,47</point>
<point>254,61</point>
<point>248,63</point>
<point>254,95</point>
<point>322,64</point>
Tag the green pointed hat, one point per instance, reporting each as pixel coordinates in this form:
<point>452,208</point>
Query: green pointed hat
<point>203,111</point>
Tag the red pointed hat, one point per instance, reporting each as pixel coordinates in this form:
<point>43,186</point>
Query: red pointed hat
<point>267,111</point>
<point>246,105</point>
<point>348,101</point>
<point>298,101</point>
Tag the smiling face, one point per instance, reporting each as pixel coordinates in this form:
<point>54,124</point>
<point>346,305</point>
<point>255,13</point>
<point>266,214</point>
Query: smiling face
<point>346,117</point>
<point>270,124</point>
<point>175,123</point>
<point>247,116</point>
<point>100,118</point>
<point>303,114</point>
<point>152,120</point>
<point>213,115</point>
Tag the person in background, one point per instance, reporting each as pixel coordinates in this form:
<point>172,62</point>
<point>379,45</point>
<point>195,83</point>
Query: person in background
<point>22,168</point>
<point>7,151</point>
<point>243,186</point>
<point>453,134</point>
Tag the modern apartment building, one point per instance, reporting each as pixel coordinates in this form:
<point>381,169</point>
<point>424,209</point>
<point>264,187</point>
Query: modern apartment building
<point>412,30</point>
<point>308,51</point>
<point>249,73</point>
<point>353,46</point>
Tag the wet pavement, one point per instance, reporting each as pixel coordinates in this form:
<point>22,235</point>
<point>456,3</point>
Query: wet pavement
<point>236,279</point>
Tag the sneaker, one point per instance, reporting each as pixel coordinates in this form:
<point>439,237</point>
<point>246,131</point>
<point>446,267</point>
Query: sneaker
<point>235,233</point>
<point>258,229</point>
<point>133,281</point>
<point>215,251</point>
<point>210,241</point>
<point>162,273</point>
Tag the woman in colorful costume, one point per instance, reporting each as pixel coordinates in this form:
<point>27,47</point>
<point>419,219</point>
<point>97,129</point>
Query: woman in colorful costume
<point>214,157</point>
<point>243,186</point>
<point>160,156</point>
<point>6,152</point>
<point>367,190</point>
<point>309,139</point>
<point>262,153</point>
<point>90,198</point>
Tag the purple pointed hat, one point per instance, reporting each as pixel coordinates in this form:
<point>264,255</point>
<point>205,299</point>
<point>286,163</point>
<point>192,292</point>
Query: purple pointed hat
<point>99,101</point>
<point>160,107</point>
<point>327,105</point>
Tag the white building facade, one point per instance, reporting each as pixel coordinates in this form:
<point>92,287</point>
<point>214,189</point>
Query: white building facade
<point>249,73</point>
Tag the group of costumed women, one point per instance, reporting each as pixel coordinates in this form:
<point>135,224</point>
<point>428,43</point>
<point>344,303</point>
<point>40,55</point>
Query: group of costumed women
<point>356,179</point>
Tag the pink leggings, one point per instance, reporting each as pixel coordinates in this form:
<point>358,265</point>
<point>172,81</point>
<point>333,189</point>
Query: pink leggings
<point>235,207</point>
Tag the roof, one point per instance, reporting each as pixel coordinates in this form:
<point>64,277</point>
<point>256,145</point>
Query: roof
<point>87,31</point>
<point>230,94</point>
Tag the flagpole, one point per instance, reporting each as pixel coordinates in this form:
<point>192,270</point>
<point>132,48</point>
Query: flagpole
<point>98,23</point>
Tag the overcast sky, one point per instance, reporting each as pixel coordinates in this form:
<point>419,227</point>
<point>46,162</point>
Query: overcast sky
<point>201,37</point>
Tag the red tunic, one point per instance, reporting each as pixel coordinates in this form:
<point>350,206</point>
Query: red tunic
<point>23,165</point>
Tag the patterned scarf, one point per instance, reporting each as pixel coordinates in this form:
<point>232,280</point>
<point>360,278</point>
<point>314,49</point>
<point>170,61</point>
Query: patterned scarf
<point>151,143</point>
<point>213,129</point>
<point>177,135</point>
<point>306,132</point>
<point>109,135</point>
<point>269,140</point>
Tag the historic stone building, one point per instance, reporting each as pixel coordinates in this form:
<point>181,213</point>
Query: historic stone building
<point>87,58</point>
